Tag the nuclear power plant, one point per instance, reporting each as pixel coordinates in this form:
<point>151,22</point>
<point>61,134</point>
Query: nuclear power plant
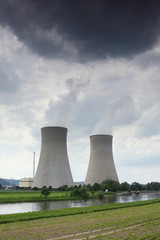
<point>101,163</point>
<point>53,167</point>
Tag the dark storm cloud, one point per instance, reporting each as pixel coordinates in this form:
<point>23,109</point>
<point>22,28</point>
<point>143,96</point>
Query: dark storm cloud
<point>86,29</point>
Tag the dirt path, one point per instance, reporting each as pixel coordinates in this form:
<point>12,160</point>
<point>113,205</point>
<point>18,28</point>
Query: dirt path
<point>93,234</point>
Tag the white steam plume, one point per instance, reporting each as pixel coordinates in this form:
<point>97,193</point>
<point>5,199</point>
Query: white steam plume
<point>59,112</point>
<point>120,112</point>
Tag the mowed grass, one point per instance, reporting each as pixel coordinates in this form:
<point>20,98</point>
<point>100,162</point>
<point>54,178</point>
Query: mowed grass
<point>30,196</point>
<point>135,221</point>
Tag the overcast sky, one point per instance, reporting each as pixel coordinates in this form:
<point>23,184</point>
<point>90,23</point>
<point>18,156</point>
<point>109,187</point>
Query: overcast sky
<point>92,66</point>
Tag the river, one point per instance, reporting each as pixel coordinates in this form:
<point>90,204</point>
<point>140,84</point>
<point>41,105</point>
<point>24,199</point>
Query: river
<point>8,208</point>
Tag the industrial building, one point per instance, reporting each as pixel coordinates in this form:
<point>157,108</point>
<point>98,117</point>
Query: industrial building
<point>53,167</point>
<point>26,182</point>
<point>101,162</point>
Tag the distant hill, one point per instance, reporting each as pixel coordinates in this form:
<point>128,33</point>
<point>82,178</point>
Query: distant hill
<point>7,182</point>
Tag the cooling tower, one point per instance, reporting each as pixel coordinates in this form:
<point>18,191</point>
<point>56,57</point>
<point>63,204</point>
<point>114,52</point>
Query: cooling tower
<point>53,167</point>
<point>101,163</point>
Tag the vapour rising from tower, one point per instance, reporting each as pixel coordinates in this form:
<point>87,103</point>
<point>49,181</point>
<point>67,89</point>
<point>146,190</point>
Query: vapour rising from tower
<point>101,162</point>
<point>118,113</point>
<point>53,167</point>
<point>59,112</point>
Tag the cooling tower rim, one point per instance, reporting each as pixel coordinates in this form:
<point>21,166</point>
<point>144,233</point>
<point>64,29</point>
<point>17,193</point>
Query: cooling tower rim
<point>54,127</point>
<point>101,135</point>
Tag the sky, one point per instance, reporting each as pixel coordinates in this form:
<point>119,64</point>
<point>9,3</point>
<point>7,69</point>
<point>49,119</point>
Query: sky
<point>91,66</point>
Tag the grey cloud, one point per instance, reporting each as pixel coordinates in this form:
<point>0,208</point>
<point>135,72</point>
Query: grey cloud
<point>126,112</point>
<point>59,112</point>
<point>150,58</point>
<point>148,125</point>
<point>87,111</point>
<point>86,29</point>
<point>9,81</point>
<point>136,159</point>
<point>100,114</point>
<point>118,113</point>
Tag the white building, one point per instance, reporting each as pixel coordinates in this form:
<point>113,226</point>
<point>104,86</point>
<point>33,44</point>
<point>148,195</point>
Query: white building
<point>26,182</point>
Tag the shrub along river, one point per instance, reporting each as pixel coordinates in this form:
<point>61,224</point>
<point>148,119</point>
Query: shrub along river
<point>9,208</point>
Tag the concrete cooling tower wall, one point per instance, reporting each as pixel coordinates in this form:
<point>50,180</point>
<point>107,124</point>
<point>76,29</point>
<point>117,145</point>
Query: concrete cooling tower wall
<point>101,163</point>
<point>53,167</point>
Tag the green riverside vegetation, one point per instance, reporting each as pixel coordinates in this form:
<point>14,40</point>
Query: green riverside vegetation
<point>31,196</point>
<point>70,211</point>
<point>74,192</point>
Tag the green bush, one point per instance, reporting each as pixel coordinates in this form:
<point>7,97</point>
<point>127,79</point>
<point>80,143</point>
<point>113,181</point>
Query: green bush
<point>45,191</point>
<point>84,193</point>
<point>35,188</point>
<point>101,194</point>
<point>75,193</point>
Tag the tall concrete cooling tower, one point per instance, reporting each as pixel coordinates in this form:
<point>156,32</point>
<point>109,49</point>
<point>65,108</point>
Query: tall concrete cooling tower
<point>101,163</point>
<point>53,167</point>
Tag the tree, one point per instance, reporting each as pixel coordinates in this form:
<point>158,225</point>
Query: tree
<point>0,186</point>
<point>35,188</point>
<point>64,188</point>
<point>75,192</point>
<point>111,185</point>
<point>84,193</point>
<point>101,194</point>
<point>125,186</point>
<point>148,186</point>
<point>135,186</point>
<point>96,187</point>
<point>50,188</point>
<point>89,187</point>
<point>45,191</point>
<point>155,186</point>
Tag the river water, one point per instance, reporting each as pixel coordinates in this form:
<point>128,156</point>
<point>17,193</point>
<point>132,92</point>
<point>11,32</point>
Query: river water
<point>9,208</point>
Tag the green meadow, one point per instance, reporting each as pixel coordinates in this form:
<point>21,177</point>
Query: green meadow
<point>30,196</point>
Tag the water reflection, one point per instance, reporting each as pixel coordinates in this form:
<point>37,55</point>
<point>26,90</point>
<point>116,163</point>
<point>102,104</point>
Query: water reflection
<point>51,205</point>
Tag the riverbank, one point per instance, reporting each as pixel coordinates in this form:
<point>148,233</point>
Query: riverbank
<point>136,220</point>
<point>21,196</point>
<point>30,196</point>
<point>21,207</point>
<point>6,218</point>
<point>18,196</point>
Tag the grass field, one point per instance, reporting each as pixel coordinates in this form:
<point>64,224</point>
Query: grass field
<point>30,196</point>
<point>125,222</point>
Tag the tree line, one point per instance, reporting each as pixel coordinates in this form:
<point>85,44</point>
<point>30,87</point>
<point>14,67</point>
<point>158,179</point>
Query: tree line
<point>85,191</point>
<point>113,186</point>
<point>110,185</point>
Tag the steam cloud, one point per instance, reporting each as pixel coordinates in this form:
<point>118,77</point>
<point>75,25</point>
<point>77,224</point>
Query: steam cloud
<point>120,112</point>
<point>59,112</point>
